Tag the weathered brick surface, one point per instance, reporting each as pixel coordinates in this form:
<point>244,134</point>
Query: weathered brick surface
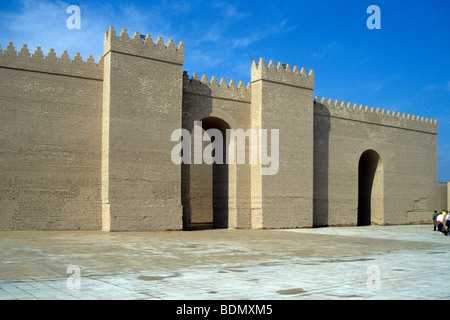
<point>50,143</point>
<point>143,83</point>
<point>407,147</point>
<point>87,145</point>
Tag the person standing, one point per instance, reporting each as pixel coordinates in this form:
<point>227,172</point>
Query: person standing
<point>435,214</point>
<point>444,231</point>
<point>440,221</point>
<point>447,224</point>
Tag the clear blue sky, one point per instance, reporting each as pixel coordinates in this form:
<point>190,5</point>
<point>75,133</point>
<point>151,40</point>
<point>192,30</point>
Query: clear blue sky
<point>404,66</point>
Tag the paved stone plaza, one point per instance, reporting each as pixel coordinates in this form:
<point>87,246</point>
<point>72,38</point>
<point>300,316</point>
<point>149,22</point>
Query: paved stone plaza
<point>389,262</point>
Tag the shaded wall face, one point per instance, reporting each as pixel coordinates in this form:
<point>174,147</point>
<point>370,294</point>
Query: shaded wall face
<point>200,197</point>
<point>442,202</point>
<point>321,167</point>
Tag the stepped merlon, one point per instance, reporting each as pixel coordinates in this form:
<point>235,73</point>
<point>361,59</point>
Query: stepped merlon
<point>143,48</point>
<point>353,111</point>
<point>50,63</point>
<point>282,73</point>
<point>214,88</point>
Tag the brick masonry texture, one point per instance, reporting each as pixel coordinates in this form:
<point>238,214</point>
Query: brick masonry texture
<point>87,145</point>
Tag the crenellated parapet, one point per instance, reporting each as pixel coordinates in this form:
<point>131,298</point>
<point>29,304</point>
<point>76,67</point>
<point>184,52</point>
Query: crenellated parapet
<point>143,46</point>
<point>216,89</point>
<point>50,63</point>
<point>282,73</point>
<point>355,112</point>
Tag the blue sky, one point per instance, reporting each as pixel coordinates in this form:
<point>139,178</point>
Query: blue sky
<point>403,67</point>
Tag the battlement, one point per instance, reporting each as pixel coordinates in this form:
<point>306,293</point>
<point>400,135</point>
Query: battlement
<point>216,89</point>
<point>282,73</point>
<point>143,46</point>
<point>50,63</point>
<point>353,111</point>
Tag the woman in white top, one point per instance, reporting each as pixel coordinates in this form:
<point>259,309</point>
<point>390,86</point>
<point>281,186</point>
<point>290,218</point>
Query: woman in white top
<point>440,221</point>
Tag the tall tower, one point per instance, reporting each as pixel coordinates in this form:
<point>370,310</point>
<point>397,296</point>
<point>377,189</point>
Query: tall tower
<point>282,98</point>
<point>142,98</point>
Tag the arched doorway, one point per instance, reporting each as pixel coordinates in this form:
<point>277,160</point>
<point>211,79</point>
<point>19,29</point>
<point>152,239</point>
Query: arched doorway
<point>208,184</point>
<point>370,189</point>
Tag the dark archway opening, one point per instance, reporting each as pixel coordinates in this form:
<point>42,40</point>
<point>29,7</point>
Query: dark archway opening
<point>369,187</point>
<point>209,183</point>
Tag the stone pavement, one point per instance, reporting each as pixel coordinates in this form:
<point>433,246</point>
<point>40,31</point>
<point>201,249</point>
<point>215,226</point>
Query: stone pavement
<point>388,262</point>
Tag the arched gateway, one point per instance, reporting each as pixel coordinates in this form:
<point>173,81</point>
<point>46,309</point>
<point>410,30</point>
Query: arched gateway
<point>205,187</point>
<point>370,189</point>
<point>92,147</point>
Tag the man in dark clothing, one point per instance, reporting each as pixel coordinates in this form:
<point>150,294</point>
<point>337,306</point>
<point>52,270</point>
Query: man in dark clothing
<point>435,220</point>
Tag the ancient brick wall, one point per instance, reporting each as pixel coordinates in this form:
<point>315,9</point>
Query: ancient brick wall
<point>141,108</point>
<point>50,143</point>
<point>86,145</point>
<point>406,145</point>
<point>282,99</point>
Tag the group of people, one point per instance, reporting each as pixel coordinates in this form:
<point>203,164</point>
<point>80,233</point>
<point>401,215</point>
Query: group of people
<point>442,222</point>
